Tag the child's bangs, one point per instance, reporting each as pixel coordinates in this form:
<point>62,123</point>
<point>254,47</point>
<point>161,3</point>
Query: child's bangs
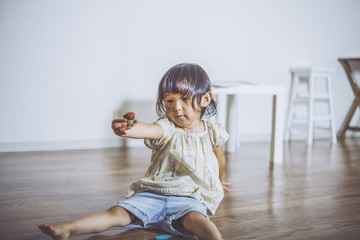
<point>180,86</point>
<point>185,89</point>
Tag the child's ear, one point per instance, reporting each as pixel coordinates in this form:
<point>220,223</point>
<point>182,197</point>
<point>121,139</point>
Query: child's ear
<point>206,99</point>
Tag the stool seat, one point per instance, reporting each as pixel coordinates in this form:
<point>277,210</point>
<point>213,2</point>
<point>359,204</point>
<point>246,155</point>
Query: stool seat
<point>303,92</point>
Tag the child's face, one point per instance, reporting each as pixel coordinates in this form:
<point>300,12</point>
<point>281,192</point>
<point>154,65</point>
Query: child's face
<point>180,110</point>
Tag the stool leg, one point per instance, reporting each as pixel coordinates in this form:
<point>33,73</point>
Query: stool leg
<point>331,110</point>
<point>311,109</point>
<point>290,113</point>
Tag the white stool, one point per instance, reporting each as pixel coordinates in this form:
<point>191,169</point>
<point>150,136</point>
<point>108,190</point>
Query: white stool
<point>309,78</point>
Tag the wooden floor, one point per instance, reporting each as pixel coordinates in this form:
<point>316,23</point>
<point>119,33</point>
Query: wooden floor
<point>314,194</point>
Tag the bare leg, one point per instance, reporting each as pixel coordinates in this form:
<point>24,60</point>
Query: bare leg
<point>202,227</point>
<point>93,223</point>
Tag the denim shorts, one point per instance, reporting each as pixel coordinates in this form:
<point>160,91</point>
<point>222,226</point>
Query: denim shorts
<point>160,212</point>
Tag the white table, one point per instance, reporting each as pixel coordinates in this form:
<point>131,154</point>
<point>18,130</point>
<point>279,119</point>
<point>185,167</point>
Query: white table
<point>226,109</point>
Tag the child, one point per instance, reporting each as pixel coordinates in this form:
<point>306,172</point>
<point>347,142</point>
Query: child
<point>185,178</point>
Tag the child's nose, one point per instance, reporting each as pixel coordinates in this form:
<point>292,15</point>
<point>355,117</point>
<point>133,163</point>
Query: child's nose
<point>178,105</point>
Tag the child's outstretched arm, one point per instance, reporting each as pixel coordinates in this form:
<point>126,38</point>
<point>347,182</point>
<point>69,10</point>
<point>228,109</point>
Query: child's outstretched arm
<point>140,130</point>
<point>219,153</point>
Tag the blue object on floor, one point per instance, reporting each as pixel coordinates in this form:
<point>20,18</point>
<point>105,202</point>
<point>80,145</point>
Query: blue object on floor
<point>163,237</point>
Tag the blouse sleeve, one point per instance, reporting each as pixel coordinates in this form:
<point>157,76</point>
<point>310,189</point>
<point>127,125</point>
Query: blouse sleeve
<point>217,132</point>
<point>169,130</point>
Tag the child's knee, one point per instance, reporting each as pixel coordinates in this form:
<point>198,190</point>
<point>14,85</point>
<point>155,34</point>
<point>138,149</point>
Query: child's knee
<point>201,226</point>
<point>121,215</point>
<point>192,219</point>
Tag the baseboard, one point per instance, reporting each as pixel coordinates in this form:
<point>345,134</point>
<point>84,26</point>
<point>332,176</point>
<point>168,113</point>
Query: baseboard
<point>253,138</point>
<point>59,145</point>
<point>117,142</point>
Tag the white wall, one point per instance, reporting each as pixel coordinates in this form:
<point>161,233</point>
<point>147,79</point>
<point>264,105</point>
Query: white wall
<point>65,66</point>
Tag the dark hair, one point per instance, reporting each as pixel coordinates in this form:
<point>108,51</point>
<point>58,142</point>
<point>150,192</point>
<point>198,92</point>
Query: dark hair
<point>190,80</point>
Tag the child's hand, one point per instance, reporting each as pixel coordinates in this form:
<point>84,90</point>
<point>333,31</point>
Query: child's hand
<point>130,127</point>
<point>120,127</point>
<point>224,186</point>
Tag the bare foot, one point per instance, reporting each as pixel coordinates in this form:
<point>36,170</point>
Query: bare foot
<point>55,232</point>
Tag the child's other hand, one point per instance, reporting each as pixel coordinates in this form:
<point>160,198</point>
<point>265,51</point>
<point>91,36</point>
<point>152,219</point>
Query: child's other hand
<point>120,127</point>
<point>224,186</point>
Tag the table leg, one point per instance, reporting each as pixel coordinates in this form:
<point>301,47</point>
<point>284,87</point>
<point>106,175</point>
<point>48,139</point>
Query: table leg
<point>221,116</point>
<point>226,110</point>
<point>232,123</point>
<point>277,129</point>
<point>221,102</point>
<point>347,120</point>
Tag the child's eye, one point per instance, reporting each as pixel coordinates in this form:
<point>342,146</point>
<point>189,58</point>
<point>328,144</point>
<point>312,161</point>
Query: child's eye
<point>186,99</point>
<point>169,101</point>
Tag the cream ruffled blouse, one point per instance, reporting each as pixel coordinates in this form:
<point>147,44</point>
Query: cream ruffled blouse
<point>184,164</point>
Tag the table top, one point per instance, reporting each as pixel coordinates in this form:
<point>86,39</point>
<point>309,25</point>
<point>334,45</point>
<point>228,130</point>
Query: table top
<point>250,89</point>
<point>355,59</point>
<point>307,70</point>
